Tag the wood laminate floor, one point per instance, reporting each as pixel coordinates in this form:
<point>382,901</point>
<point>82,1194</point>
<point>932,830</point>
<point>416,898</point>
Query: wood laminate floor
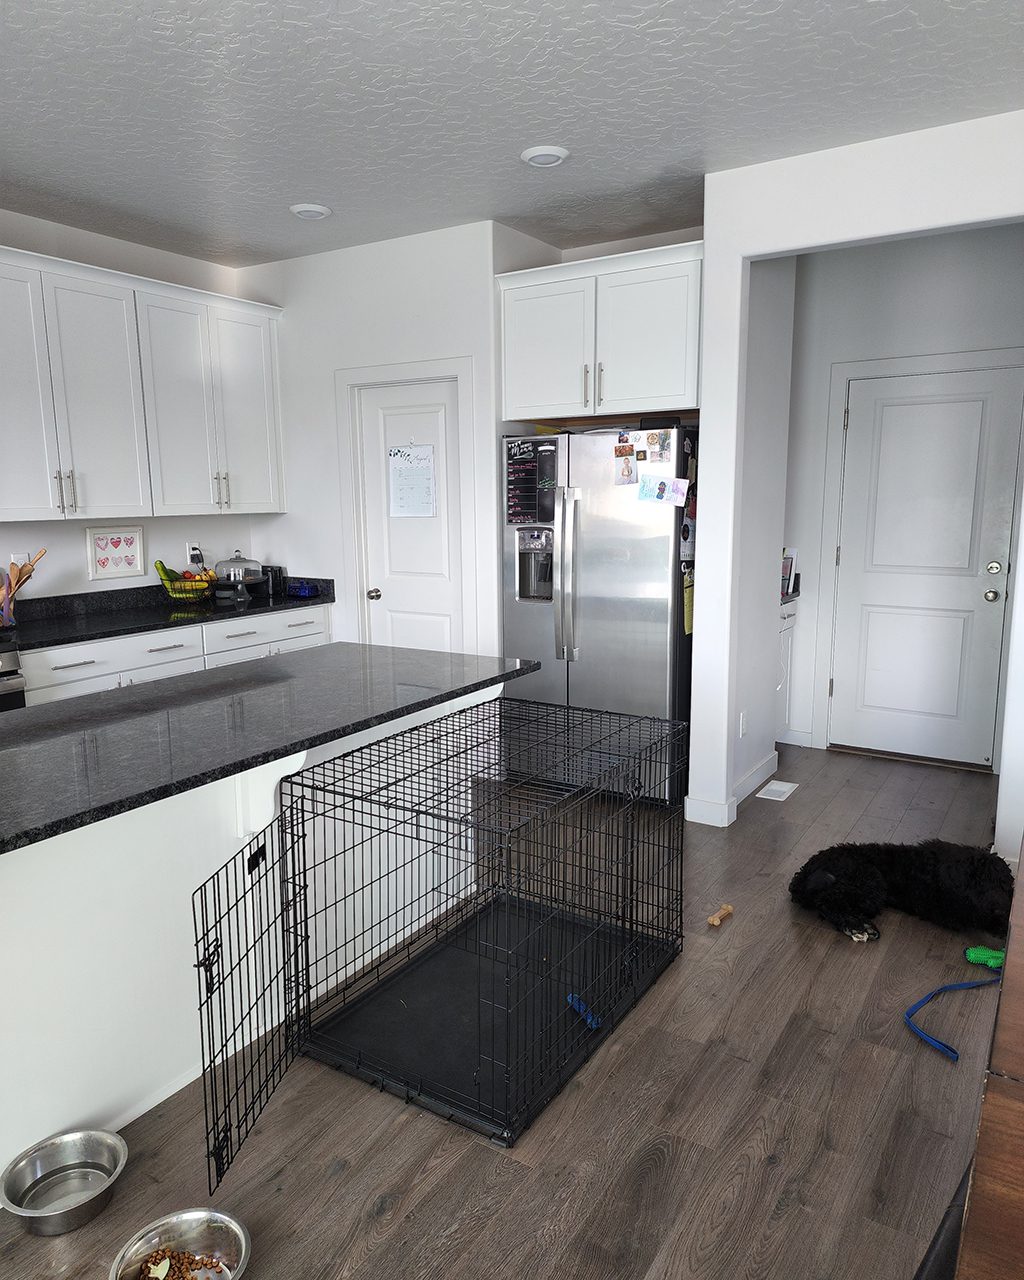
<point>763,1113</point>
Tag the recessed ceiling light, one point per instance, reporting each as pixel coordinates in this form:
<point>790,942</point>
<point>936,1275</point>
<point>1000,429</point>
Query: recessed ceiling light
<point>310,212</point>
<point>544,157</point>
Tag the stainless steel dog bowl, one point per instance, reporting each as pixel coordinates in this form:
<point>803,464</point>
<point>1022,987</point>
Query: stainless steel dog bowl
<point>199,1231</point>
<point>63,1181</point>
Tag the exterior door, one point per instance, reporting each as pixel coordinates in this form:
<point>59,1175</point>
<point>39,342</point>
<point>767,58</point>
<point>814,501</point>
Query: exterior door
<point>97,391</point>
<point>928,493</point>
<point>29,489</point>
<point>548,342</point>
<point>408,447</point>
<point>648,326</point>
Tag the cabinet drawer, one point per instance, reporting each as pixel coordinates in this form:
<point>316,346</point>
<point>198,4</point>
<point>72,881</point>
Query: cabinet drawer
<point>298,642</point>
<point>71,688</point>
<point>245,654</point>
<point>241,632</point>
<point>74,662</point>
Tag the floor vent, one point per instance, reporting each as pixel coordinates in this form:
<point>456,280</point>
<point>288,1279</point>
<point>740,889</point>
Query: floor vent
<point>777,790</point>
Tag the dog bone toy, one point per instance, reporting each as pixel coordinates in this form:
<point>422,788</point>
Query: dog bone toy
<point>721,914</point>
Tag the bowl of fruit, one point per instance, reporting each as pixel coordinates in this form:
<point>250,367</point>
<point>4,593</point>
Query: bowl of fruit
<point>188,586</point>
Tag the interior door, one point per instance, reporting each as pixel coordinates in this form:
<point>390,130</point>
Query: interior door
<point>648,331</point>
<point>93,340</point>
<point>246,408</point>
<point>408,449</point>
<point>548,343</point>
<point>177,382</point>
<point>928,492</point>
<point>28,485</point>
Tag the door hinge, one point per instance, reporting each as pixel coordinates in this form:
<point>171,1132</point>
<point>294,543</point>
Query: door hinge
<point>846,417</point>
<point>837,555</point>
<point>831,685</point>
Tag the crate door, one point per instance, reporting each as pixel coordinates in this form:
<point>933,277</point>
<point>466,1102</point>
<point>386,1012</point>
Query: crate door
<point>250,925</point>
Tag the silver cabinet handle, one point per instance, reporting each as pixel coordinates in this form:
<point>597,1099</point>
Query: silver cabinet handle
<point>66,666</point>
<point>162,648</point>
<point>311,622</point>
<point>227,490</point>
<point>586,385</point>
<point>558,573</point>
<point>600,383</point>
<point>60,491</point>
<point>220,500</point>
<point>237,635</point>
<point>74,490</point>
<point>572,497</point>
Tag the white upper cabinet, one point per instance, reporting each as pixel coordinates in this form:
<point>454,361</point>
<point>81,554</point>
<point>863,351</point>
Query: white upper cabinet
<point>648,325</point>
<point>177,381</point>
<point>245,396</point>
<point>29,463</point>
<point>611,335</point>
<point>97,395</point>
<point>549,349</point>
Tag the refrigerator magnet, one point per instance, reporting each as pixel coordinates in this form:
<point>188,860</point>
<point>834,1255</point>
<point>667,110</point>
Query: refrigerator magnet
<point>624,469</point>
<point>623,451</point>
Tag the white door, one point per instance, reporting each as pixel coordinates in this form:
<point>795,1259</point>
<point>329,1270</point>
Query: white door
<point>93,340</point>
<point>29,463</point>
<point>177,383</point>
<point>408,446</point>
<point>246,407</point>
<point>548,344</point>
<point>928,492</point>
<point>648,339</point>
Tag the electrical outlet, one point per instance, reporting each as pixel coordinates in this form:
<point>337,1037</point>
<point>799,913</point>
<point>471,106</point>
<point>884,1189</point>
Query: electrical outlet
<point>743,724</point>
<point>193,554</point>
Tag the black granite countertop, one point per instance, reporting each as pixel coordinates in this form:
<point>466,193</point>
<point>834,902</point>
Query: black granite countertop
<point>66,764</point>
<point>53,620</point>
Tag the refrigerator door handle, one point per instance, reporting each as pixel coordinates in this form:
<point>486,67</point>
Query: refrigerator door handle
<point>571,511</point>
<point>558,573</point>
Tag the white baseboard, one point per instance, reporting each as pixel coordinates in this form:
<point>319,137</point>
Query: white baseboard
<point>797,738</point>
<point>760,773</point>
<point>710,813</point>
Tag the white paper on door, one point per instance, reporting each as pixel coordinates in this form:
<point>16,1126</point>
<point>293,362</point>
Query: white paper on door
<point>411,481</point>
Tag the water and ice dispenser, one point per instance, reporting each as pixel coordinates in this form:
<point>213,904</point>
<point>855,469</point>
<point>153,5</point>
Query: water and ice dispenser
<point>535,554</point>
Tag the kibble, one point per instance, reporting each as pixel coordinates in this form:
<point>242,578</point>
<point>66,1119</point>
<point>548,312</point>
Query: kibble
<point>184,1265</point>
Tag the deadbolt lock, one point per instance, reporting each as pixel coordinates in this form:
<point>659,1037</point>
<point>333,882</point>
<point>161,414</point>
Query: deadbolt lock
<point>373,593</point>
<point>993,566</point>
<point>991,596</point>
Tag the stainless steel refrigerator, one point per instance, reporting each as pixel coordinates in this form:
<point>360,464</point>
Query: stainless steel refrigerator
<point>592,579</point>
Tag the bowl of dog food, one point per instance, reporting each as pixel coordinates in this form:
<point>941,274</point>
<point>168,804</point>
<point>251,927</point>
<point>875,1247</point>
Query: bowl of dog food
<point>193,1244</point>
<point>61,1183</point>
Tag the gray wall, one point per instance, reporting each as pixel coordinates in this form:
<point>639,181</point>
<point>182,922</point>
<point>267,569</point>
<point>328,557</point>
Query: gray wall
<point>962,291</point>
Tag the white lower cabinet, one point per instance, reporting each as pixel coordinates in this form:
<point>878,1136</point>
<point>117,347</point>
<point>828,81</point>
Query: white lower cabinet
<point>297,642</point>
<point>71,689</point>
<point>230,656</point>
<point>142,675</point>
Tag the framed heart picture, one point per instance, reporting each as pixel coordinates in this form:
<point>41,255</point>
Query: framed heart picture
<point>115,552</point>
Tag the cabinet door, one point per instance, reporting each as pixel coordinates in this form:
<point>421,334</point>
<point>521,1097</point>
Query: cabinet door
<point>73,689</point>
<point>142,675</point>
<point>548,342</point>
<point>177,383</point>
<point>29,464</point>
<point>297,642</point>
<point>246,407</point>
<point>97,391</point>
<point>232,656</point>
<point>648,339</point>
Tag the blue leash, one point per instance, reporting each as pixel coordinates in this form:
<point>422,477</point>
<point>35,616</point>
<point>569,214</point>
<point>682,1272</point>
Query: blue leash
<point>942,1047</point>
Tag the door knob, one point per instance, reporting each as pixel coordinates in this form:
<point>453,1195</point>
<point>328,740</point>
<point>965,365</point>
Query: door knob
<point>373,594</point>
<point>993,566</point>
<point>991,596</point>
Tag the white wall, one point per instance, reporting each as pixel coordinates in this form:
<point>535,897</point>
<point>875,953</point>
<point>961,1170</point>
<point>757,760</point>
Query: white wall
<point>683,236</point>
<point>959,175</point>
<point>35,235</point>
<point>402,301</point>
<point>960,291</point>
<point>763,477</point>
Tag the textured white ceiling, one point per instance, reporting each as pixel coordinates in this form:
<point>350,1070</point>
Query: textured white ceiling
<point>193,126</point>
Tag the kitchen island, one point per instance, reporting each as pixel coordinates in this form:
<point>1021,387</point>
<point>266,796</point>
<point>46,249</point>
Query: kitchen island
<point>116,807</point>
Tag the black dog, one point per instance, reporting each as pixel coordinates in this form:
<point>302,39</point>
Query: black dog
<point>949,884</point>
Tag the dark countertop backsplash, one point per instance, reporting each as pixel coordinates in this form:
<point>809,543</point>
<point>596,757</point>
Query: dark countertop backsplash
<point>44,621</point>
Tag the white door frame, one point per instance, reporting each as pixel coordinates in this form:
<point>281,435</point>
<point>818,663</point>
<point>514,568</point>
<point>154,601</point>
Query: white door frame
<point>828,577</point>
<point>348,384</point>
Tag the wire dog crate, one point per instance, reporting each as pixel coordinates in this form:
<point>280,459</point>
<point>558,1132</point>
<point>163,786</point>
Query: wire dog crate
<point>459,913</point>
